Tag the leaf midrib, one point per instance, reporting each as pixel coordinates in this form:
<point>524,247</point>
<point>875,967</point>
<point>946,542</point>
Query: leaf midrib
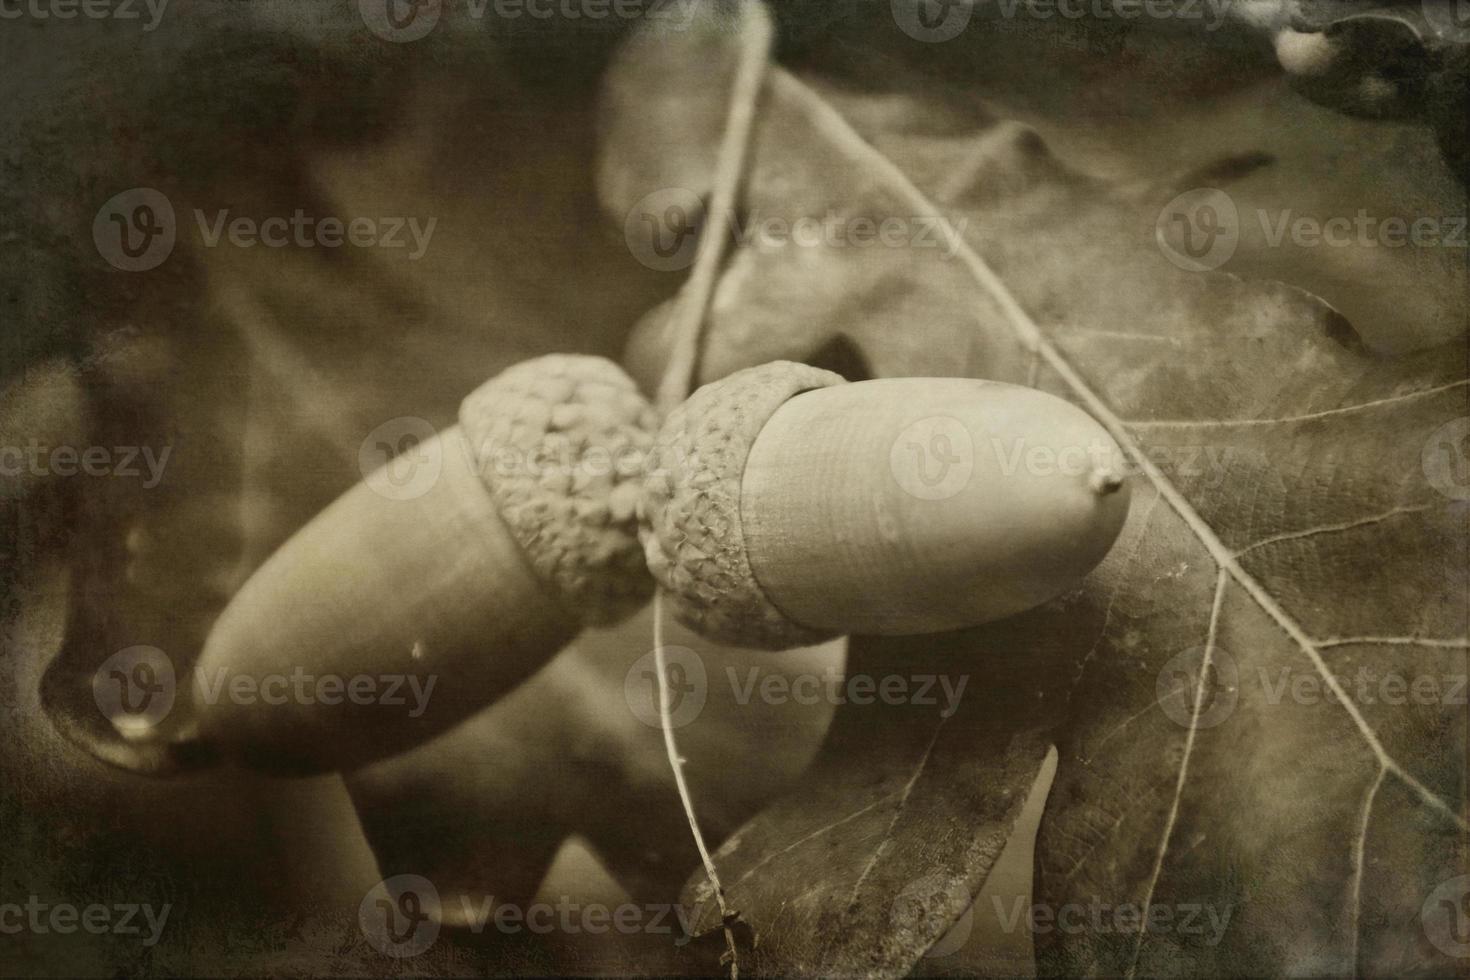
<point>831,124</point>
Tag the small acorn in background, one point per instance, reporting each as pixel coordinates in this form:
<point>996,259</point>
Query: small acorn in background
<point>457,593</point>
<point>785,506</point>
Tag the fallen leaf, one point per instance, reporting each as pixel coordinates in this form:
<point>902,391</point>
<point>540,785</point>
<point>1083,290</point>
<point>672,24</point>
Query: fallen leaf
<point>1298,516</point>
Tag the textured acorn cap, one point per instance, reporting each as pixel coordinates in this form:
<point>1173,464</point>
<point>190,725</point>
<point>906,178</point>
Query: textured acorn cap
<point>690,510</point>
<point>560,442</point>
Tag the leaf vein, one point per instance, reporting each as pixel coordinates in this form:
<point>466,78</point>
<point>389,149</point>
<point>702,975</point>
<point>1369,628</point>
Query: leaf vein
<point>1445,643</point>
<point>1199,699</point>
<point>808,838</point>
<point>1360,846</point>
<point>1307,417</point>
<point>827,121</point>
<point>887,842</point>
<point>1312,532</point>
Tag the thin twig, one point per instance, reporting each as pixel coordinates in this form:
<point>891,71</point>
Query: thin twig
<point>687,325</point>
<point>676,762</point>
<point>688,316</point>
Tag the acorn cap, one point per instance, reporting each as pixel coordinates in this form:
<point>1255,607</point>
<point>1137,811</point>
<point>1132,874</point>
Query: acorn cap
<point>560,443</point>
<point>690,522</point>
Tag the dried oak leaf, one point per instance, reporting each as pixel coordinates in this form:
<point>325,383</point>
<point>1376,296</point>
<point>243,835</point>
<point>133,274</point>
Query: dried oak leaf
<point>1227,796</point>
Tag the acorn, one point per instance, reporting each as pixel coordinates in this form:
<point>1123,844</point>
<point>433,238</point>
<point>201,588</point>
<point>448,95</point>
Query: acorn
<point>785,506</point>
<point>451,596</point>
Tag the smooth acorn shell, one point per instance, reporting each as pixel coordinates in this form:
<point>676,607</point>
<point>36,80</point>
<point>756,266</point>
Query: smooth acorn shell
<point>917,505</point>
<point>436,596</point>
<point>434,589</point>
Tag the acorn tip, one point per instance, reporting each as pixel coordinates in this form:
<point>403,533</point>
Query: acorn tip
<point>1105,481</point>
